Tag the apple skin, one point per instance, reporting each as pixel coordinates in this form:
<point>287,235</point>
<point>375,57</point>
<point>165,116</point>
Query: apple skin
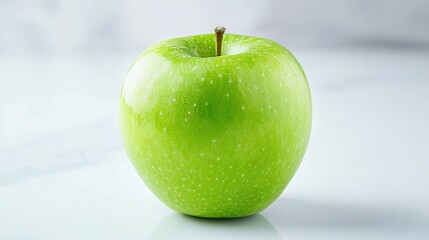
<point>216,137</point>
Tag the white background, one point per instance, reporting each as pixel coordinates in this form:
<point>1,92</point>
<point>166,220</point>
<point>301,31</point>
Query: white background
<point>52,27</point>
<point>64,173</point>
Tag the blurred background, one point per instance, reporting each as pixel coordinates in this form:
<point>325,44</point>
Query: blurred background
<point>64,173</point>
<point>61,27</point>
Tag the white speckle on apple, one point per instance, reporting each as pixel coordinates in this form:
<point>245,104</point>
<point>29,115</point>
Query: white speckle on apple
<point>214,140</point>
<point>195,104</point>
<point>202,154</point>
<point>174,99</point>
<point>207,103</point>
<point>256,87</point>
<point>186,119</point>
<point>189,112</point>
<point>203,79</point>
<point>238,145</point>
<point>218,159</point>
<point>165,129</point>
<point>227,94</point>
<point>211,82</point>
<point>220,75</point>
<point>173,90</point>
<point>160,113</point>
<point>242,107</point>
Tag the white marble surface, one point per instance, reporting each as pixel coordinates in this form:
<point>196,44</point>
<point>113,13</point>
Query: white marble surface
<point>64,173</point>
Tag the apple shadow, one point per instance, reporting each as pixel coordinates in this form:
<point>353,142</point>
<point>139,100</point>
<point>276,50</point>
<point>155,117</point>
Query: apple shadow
<point>179,226</point>
<point>302,215</point>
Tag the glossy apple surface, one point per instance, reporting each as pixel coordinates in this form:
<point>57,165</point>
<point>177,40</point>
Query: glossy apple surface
<point>216,136</point>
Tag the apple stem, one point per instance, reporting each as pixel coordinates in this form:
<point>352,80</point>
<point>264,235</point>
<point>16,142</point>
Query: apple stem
<point>219,31</point>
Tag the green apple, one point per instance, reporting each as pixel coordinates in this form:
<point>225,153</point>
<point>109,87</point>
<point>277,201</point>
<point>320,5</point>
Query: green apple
<point>216,136</point>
